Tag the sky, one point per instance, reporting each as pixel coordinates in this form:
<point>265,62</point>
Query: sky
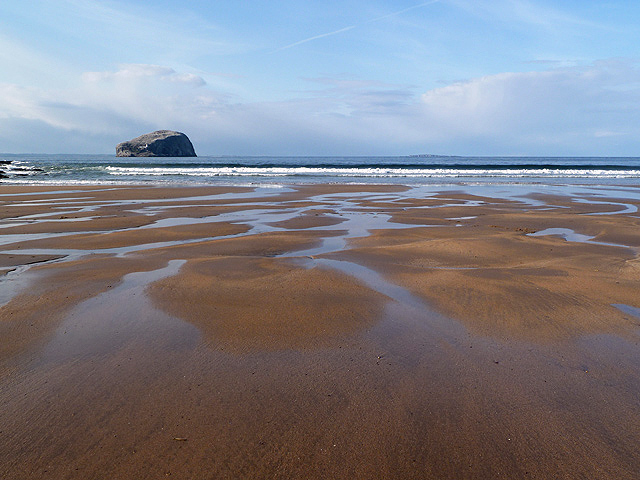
<point>343,77</point>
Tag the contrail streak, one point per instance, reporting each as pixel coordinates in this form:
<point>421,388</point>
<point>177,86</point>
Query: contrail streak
<point>393,14</point>
<point>316,37</point>
<point>351,27</point>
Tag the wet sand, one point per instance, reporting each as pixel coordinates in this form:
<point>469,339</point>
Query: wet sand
<point>327,331</point>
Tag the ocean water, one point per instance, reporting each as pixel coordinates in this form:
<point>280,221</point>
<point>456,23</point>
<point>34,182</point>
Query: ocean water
<point>237,170</point>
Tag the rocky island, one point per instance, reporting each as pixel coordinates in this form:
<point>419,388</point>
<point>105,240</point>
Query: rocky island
<point>161,143</point>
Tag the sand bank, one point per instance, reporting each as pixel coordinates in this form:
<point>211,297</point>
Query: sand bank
<point>319,331</point>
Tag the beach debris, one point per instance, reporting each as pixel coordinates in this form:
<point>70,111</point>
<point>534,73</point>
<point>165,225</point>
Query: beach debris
<point>180,439</point>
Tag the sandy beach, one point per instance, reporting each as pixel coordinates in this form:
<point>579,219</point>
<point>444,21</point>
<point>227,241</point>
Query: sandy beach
<point>319,331</point>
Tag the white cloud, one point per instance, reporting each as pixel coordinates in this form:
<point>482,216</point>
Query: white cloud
<point>557,104</point>
<point>102,102</point>
<point>137,72</point>
<point>588,111</point>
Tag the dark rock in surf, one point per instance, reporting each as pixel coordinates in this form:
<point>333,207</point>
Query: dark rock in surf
<point>3,174</point>
<point>161,143</point>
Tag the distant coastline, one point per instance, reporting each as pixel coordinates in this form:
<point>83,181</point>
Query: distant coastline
<point>432,155</point>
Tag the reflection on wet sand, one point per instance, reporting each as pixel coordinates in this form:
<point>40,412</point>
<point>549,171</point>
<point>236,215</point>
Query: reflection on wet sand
<point>320,331</point>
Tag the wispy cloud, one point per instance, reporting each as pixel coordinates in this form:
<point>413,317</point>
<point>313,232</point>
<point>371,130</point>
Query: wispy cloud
<point>523,12</point>
<point>23,63</point>
<point>351,27</point>
<point>153,30</point>
<point>138,71</point>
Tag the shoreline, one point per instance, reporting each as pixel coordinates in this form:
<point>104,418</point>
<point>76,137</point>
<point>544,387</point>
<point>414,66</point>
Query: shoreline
<point>275,170</point>
<point>345,330</point>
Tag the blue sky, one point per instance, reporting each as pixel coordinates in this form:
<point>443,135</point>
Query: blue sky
<point>461,77</point>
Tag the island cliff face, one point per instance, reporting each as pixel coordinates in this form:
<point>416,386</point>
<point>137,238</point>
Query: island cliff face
<point>161,143</point>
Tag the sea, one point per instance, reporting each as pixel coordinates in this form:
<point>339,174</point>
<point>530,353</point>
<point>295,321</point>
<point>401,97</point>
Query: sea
<point>60,169</point>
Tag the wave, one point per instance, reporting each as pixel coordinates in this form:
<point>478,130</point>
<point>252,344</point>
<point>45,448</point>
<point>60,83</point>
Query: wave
<point>373,172</point>
<point>358,163</point>
<point>14,169</point>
